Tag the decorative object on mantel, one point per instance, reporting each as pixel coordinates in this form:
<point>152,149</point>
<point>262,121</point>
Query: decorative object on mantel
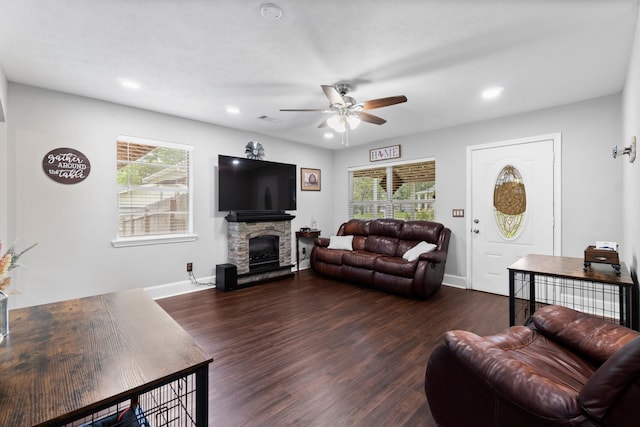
<point>8,262</point>
<point>384,153</point>
<point>254,150</point>
<point>66,165</point>
<point>309,179</point>
<point>630,150</point>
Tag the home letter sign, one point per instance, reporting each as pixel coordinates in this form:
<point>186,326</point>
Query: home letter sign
<point>384,153</point>
<point>66,165</point>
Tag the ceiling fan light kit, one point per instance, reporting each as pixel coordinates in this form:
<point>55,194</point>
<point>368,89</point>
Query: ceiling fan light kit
<point>347,113</point>
<point>336,123</point>
<point>339,122</point>
<point>353,121</point>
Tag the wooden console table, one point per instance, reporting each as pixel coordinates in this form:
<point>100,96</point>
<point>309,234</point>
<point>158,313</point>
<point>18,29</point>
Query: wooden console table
<point>541,279</point>
<point>310,234</point>
<point>63,362</point>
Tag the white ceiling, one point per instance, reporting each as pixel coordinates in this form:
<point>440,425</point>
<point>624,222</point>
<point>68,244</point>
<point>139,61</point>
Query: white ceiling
<point>195,57</point>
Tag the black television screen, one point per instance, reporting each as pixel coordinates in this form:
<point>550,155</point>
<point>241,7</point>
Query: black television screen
<point>246,185</point>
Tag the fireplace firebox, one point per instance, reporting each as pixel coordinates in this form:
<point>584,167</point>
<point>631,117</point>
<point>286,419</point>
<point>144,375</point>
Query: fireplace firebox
<point>264,252</point>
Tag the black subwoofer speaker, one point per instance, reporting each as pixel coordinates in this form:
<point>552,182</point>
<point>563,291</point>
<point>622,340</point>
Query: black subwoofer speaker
<point>226,277</point>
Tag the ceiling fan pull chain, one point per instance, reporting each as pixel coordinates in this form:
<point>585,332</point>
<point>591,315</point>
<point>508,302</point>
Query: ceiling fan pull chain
<point>345,136</point>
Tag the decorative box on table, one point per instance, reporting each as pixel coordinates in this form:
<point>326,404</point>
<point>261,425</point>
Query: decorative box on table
<point>603,256</point>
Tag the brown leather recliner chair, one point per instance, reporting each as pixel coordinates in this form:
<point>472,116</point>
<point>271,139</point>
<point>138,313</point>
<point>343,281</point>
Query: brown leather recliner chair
<point>567,369</point>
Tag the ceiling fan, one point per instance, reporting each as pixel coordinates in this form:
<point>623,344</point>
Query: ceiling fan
<point>347,113</point>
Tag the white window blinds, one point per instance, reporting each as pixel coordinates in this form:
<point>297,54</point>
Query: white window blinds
<point>403,191</point>
<point>154,188</point>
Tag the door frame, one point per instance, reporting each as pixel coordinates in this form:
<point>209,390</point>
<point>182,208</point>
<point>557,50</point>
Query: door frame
<point>557,192</point>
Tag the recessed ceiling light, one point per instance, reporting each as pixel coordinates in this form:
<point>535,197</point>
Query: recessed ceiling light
<point>328,135</point>
<point>232,109</point>
<point>129,84</point>
<point>492,92</point>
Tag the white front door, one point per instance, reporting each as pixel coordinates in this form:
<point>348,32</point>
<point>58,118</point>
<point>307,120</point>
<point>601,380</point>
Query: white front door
<point>514,196</point>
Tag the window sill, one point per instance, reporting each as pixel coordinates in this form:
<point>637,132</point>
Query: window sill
<point>153,240</point>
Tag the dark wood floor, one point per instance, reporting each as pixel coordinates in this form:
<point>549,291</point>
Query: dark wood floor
<point>308,351</point>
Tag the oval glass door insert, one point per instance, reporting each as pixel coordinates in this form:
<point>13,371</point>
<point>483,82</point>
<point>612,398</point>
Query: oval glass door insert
<point>509,202</point>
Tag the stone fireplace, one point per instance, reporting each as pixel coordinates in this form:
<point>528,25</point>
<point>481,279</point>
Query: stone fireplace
<point>260,250</point>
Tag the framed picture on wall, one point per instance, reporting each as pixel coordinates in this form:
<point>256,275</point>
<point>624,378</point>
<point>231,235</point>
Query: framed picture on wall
<point>309,179</point>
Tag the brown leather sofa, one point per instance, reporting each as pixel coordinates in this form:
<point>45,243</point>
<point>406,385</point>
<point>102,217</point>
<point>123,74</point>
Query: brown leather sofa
<point>376,259</point>
<point>567,369</point>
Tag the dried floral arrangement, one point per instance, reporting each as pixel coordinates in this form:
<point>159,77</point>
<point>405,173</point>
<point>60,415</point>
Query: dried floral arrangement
<point>8,262</point>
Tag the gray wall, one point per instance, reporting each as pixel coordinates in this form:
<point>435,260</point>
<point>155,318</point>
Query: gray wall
<point>631,171</point>
<point>3,156</point>
<point>591,179</point>
<point>3,96</point>
<point>75,224</point>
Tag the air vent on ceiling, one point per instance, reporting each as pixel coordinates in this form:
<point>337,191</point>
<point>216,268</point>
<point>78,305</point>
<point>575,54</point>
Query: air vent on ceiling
<point>269,119</point>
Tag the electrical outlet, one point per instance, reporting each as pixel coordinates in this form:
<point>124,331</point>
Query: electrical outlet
<point>189,267</point>
<point>304,251</point>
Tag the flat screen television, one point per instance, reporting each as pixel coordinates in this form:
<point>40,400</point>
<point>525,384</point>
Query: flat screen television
<point>249,186</point>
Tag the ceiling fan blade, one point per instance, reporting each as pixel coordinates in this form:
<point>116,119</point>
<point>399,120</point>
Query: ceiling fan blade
<point>333,95</point>
<point>304,109</point>
<point>383,102</point>
<point>323,124</point>
<point>370,118</point>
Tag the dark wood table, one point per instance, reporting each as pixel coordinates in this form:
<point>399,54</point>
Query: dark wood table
<point>64,361</point>
<point>309,234</point>
<point>535,269</point>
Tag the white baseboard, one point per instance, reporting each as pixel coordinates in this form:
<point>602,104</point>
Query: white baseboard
<point>455,281</point>
<point>185,287</point>
<point>179,288</point>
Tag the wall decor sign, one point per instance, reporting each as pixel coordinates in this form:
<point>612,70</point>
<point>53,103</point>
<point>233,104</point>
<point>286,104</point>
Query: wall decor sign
<point>66,165</point>
<point>384,153</point>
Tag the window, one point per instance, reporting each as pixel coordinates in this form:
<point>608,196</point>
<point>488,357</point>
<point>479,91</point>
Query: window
<point>154,192</point>
<point>400,190</point>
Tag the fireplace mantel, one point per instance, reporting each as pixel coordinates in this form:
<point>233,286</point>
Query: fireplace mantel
<point>258,216</point>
